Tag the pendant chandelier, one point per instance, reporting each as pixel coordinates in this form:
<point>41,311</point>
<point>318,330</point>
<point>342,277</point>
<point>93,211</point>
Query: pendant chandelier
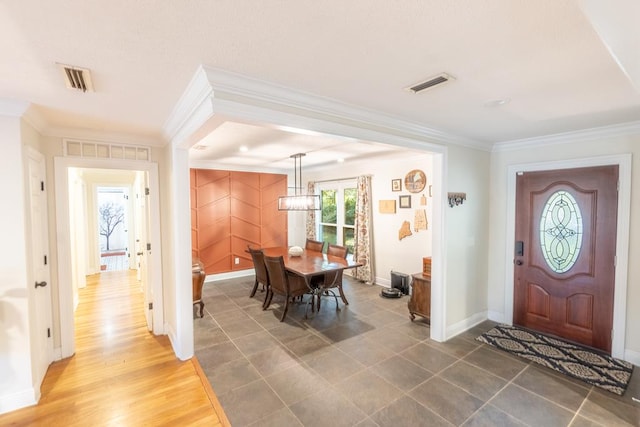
<point>299,201</point>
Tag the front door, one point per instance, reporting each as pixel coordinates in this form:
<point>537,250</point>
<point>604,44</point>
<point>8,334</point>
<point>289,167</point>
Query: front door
<point>565,253</point>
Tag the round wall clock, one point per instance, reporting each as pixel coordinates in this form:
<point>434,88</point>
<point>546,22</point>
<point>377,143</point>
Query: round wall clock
<point>415,181</point>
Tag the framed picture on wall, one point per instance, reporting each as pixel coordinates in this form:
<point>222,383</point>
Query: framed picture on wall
<point>415,181</point>
<point>387,206</point>
<point>404,201</point>
<point>396,185</point>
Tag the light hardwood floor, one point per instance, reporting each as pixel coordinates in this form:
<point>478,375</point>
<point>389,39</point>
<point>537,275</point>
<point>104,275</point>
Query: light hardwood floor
<point>121,374</point>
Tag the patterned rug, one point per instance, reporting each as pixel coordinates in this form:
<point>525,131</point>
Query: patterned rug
<point>578,362</point>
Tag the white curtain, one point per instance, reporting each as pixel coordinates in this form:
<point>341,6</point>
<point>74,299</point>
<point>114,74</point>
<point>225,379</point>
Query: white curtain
<point>363,238</point>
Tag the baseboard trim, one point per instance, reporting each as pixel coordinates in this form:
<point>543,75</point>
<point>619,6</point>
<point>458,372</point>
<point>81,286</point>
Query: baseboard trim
<point>383,282</point>
<point>496,316</point>
<point>230,275</point>
<point>173,339</point>
<point>632,356</point>
<point>465,324</point>
<point>18,400</point>
<point>57,354</point>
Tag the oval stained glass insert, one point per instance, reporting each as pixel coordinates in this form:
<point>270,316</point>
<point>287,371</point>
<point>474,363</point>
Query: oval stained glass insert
<point>561,231</point>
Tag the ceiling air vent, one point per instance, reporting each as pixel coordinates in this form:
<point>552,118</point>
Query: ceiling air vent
<point>77,78</point>
<point>431,83</point>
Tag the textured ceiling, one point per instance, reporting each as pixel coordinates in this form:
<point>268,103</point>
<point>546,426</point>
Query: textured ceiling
<point>564,65</point>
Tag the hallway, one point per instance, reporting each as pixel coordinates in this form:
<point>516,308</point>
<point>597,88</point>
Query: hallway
<point>121,374</point>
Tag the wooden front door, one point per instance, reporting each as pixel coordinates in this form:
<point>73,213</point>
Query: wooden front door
<point>565,253</point>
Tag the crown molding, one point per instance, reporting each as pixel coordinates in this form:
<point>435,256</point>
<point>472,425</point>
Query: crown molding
<point>12,107</point>
<point>36,120</point>
<point>212,164</point>
<point>191,110</point>
<point>213,91</point>
<point>102,136</point>
<point>611,131</point>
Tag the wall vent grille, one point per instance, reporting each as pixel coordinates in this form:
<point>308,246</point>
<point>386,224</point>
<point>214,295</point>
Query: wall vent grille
<point>77,78</point>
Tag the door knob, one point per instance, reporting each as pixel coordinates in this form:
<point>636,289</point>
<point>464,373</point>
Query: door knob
<point>139,253</point>
<point>41,284</point>
<point>519,262</point>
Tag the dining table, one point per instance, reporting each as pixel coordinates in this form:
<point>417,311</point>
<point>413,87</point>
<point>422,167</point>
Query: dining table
<point>310,263</point>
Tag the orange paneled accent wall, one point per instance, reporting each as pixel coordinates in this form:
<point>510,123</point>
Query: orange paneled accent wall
<point>230,210</point>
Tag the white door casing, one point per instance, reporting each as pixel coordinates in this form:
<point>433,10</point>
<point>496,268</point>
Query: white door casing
<point>622,238</point>
<point>61,167</point>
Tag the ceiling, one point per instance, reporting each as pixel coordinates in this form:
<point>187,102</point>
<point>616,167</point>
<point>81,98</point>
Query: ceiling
<point>559,65</point>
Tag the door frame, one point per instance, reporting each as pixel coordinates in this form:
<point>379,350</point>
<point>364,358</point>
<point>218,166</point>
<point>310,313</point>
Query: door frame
<point>65,291</point>
<point>622,236</point>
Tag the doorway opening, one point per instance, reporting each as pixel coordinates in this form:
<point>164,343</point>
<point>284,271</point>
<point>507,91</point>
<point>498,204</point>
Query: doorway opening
<point>565,257</point>
<point>113,228</point>
<point>80,255</point>
<point>622,237</point>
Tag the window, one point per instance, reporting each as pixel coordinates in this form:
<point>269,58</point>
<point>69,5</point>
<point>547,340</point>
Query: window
<point>561,231</point>
<point>337,219</point>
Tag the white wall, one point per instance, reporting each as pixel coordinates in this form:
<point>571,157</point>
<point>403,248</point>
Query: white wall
<point>390,253</point>
<point>15,359</point>
<point>176,242</point>
<point>467,238</point>
<point>563,151</point>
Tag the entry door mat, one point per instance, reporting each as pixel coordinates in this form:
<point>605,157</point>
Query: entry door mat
<point>578,362</point>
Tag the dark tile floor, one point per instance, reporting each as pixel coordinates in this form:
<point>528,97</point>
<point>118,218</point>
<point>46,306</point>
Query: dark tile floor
<point>369,365</point>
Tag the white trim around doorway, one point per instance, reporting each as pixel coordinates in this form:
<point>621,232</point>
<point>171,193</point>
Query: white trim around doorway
<point>65,291</point>
<point>622,238</point>
<point>214,96</point>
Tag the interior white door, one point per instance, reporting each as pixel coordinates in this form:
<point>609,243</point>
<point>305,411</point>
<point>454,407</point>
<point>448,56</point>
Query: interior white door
<point>141,213</point>
<point>40,290</point>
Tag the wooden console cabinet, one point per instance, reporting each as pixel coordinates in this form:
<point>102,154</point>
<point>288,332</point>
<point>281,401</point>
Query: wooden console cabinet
<point>420,302</point>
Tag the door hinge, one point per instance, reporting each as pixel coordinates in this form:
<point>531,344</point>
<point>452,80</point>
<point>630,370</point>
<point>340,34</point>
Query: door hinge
<point>148,246</point>
<point>41,185</point>
<point>146,191</point>
<point>150,306</point>
<point>45,260</point>
<point>48,332</point>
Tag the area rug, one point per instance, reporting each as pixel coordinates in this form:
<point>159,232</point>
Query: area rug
<point>578,362</point>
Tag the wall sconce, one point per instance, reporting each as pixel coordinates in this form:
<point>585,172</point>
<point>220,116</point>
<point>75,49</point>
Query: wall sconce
<point>456,199</point>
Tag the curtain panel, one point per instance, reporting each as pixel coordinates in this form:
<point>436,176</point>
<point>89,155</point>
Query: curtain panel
<point>311,215</point>
<point>363,239</point>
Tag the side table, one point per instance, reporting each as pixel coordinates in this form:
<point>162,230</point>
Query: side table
<point>420,302</point>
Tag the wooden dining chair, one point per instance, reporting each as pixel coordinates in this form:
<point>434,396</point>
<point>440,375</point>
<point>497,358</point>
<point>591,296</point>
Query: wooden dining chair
<point>314,245</point>
<point>197,280</point>
<point>261,272</point>
<point>333,280</point>
<point>283,283</point>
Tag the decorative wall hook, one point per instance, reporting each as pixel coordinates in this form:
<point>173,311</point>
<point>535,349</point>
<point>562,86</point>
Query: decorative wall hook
<point>456,199</point>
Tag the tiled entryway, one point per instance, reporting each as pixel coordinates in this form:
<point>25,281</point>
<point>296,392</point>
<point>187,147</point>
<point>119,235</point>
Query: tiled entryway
<point>369,365</point>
